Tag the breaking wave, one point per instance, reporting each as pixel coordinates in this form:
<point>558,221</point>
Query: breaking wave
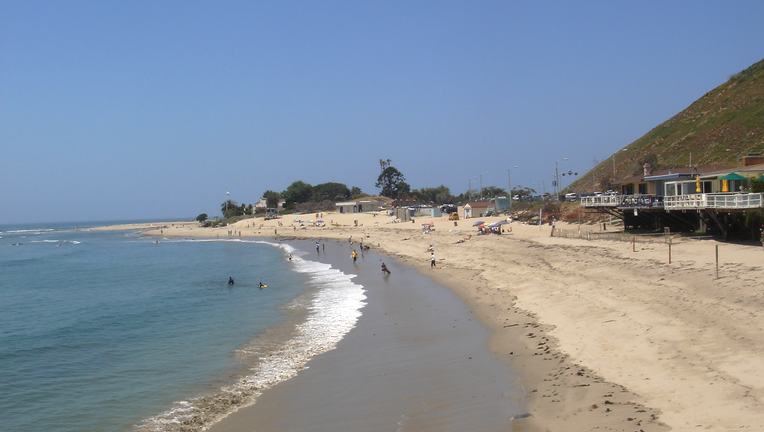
<point>333,310</point>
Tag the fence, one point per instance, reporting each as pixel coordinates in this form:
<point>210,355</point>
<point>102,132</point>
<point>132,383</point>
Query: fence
<point>612,236</point>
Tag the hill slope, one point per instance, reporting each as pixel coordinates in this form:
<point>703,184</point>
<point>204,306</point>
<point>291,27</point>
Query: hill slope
<point>716,129</point>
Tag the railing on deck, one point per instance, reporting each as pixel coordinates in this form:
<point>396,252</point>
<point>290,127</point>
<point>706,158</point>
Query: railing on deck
<point>641,201</point>
<point>601,201</point>
<point>729,201</point>
<point>735,201</point>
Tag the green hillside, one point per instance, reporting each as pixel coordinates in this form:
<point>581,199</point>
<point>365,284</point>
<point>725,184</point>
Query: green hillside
<point>716,129</point>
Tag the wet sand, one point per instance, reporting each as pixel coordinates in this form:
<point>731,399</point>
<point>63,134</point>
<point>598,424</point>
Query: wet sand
<point>417,361</point>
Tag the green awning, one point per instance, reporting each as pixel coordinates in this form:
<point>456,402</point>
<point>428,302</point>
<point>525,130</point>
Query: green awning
<point>732,176</point>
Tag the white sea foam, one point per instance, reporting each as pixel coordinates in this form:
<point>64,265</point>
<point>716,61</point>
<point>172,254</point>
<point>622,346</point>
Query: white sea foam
<point>333,311</point>
<point>22,231</point>
<point>74,242</point>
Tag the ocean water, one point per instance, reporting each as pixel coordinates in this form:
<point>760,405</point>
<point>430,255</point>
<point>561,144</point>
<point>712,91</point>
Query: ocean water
<point>109,331</point>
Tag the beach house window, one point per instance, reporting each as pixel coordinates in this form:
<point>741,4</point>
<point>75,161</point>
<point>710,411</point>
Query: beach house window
<point>670,189</point>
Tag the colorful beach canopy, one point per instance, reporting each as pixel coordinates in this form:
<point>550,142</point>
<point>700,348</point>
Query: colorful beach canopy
<point>478,223</point>
<point>732,176</point>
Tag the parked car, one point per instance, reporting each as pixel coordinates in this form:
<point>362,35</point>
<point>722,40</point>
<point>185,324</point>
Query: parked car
<point>571,196</point>
<point>448,208</point>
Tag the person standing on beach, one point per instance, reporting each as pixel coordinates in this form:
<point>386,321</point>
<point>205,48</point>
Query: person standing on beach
<point>432,259</point>
<point>354,255</point>
<point>317,251</point>
<point>323,247</point>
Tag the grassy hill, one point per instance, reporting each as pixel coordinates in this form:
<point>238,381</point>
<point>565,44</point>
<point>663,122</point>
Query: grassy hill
<point>716,129</point>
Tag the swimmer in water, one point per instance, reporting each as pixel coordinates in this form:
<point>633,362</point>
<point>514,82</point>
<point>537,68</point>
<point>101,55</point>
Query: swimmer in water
<point>262,285</point>
<point>230,280</point>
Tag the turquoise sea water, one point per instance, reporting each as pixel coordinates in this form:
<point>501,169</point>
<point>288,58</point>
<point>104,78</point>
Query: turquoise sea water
<point>100,331</point>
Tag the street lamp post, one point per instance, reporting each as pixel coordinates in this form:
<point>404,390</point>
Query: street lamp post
<point>469,186</point>
<point>557,179</point>
<point>227,200</point>
<point>509,187</point>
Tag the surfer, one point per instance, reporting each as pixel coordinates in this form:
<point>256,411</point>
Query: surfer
<point>262,285</point>
<point>385,270</point>
<point>230,280</point>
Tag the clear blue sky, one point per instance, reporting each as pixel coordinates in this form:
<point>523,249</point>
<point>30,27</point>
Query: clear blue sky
<point>148,109</point>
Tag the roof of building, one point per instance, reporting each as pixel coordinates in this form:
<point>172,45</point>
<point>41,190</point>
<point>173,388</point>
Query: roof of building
<point>480,204</point>
<point>751,170</point>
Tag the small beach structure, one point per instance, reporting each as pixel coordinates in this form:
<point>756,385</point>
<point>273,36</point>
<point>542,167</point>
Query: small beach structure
<point>477,209</point>
<point>359,206</point>
<point>426,211</point>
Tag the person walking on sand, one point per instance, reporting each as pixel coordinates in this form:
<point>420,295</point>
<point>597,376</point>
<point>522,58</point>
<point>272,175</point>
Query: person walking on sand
<point>354,255</point>
<point>432,259</point>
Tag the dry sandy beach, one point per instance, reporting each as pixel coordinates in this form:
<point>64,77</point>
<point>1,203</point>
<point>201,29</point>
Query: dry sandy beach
<point>604,337</point>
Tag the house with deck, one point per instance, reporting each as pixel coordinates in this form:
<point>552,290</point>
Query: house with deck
<point>701,198</point>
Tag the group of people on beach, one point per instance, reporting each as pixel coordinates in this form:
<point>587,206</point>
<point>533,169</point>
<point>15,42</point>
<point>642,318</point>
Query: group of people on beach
<point>363,247</point>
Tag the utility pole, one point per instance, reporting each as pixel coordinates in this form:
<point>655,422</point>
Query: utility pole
<point>509,189</point>
<point>481,187</point>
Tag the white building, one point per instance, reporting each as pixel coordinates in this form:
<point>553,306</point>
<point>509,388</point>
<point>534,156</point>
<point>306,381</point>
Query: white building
<point>262,205</point>
<point>359,206</point>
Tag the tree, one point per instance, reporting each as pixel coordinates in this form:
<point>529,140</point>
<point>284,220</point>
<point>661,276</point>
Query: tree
<point>435,195</point>
<point>356,192</point>
<point>230,208</point>
<point>297,192</point>
<point>202,217</point>
<point>391,182</point>
<point>272,198</point>
<point>493,192</point>
<point>650,158</point>
<point>330,191</point>
<point>523,193</point>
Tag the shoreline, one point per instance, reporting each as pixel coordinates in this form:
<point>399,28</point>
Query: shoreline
<point>328,299</point>
<point>588,307</point>
<point>375,378</point>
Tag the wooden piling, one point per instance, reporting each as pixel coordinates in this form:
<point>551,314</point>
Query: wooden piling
<point>717,261</point>
<point>669,243</point>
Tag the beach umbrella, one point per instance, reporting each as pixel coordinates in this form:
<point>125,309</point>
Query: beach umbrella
<point>732,176</point>
<point>477,223</point>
